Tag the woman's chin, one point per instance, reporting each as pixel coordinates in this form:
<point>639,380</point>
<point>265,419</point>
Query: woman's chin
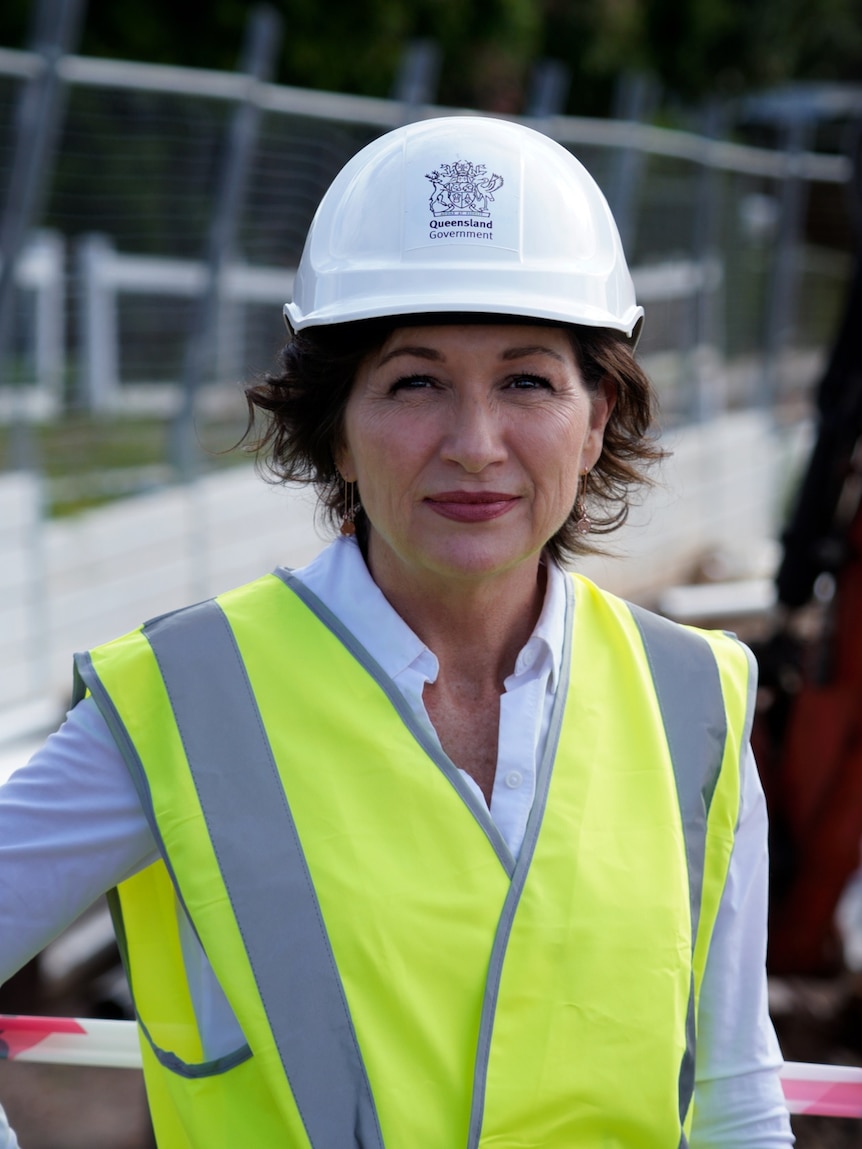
<point>467,563</point>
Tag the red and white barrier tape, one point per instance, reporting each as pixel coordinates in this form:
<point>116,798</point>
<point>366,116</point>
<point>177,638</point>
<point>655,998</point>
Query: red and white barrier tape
<point>827,1090</point>
<point>70,1041</point>
<point>830,1090</point>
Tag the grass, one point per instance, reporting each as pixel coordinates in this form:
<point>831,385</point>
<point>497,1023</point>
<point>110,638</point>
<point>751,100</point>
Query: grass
<point>89,460</point>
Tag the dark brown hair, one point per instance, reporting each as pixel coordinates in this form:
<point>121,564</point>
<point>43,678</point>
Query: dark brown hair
<point>302,409</point>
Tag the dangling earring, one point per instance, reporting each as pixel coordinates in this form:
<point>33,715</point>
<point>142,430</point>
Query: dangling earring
<point>351,506</point>
<point>582,520</point>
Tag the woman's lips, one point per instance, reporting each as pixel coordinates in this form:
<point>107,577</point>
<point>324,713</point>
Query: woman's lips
<point>471,506</point>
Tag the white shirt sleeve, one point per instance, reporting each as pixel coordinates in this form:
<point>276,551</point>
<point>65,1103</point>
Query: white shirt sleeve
<point>8,1140</point>
<point>71,827</point>
<point>739,1103</point>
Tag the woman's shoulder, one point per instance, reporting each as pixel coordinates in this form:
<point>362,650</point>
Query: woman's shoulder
<point>679,640</point>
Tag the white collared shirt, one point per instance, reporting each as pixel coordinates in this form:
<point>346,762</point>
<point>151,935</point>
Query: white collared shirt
<point>341,580</point>
<point>71,827</point>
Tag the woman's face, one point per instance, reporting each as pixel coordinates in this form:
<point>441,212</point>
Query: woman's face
<point>467,444</point>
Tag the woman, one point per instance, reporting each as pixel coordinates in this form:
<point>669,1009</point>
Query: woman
<point>429,843</point>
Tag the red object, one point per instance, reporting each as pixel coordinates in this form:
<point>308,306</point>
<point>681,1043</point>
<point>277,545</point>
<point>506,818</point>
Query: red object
<point>19,1033</point>
<point>814,785</point>
<point>826,1098</point>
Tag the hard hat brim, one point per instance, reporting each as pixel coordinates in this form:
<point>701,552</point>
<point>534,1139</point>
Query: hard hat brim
<point>628,324</point>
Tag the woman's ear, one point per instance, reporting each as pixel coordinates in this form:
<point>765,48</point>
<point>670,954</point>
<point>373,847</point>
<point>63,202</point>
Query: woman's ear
<point>343,459</point>
<point>602,403</point>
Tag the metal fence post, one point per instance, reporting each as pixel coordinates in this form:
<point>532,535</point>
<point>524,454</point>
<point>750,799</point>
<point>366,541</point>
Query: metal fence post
<point>262,38</point>
<point>50,315</point>
<point>55,32</point>
<point>98,324</point>
<point>418,75</point>
<point>635,101</point>
<point>784,280</point>
<point>548,89</point>
<point>708,388</point>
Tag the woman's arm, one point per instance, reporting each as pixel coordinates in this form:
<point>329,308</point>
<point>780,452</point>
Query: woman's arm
<point>739,1103</point>
<point>71,827</point>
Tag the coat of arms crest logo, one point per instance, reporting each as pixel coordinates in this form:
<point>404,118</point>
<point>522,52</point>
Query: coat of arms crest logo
<point>462,188</point>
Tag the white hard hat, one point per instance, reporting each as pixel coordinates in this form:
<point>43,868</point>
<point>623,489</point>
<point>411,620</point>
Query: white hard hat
<point>464,214</point>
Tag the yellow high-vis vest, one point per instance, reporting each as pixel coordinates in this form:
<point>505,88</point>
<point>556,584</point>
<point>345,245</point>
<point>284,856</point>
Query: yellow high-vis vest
<point>400,979</point>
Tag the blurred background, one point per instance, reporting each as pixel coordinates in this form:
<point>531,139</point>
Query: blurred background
<point>159,167</point>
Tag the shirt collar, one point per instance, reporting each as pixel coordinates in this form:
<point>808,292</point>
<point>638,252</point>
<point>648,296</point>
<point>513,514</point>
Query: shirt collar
<point>341,580</point>
<point>544,647</point>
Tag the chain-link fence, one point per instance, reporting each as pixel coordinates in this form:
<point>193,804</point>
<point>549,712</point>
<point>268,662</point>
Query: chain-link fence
<point>741,254</point>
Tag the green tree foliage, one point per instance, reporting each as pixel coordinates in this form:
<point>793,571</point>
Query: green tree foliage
<point>694,47</point>
<point>700,48</point>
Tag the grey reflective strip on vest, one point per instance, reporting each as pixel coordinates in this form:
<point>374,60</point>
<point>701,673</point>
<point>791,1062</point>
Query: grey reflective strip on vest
<point>519,878</point>
<point>266,876</point>
<point>426,737</point>
<point>688,688</point>
<point>85,679</point>
<point>286,942</point>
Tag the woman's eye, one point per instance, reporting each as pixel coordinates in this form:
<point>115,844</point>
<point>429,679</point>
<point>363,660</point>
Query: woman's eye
<point>530,383</point>
<point>412,383</point>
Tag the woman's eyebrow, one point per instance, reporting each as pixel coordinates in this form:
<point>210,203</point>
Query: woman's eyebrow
<point>418,352</point>
<point>432,354</point>
<point>533,349</point>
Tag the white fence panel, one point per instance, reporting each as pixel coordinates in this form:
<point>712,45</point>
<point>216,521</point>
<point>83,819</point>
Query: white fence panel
<point>103,572</point>
<point>83,580</point>
<point>106,274</point>
<point>40,274</point>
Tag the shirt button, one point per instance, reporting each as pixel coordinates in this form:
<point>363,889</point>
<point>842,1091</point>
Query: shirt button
<point>514,779</point>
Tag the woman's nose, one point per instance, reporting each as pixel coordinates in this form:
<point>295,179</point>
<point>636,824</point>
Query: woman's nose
<point>475,438</point>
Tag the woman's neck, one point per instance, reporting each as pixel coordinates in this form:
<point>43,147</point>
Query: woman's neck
<point>475,627</point>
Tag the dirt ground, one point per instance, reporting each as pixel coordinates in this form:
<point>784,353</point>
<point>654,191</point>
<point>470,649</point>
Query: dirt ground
<point>72,1107</point>
<point>65,1107</point>
<point>820,1021</point>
